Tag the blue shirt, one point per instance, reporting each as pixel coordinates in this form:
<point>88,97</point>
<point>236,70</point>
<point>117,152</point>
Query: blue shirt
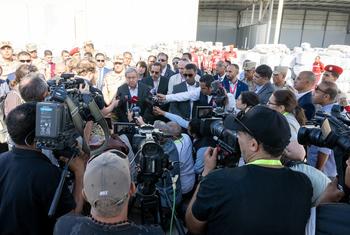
<point>330,168</point>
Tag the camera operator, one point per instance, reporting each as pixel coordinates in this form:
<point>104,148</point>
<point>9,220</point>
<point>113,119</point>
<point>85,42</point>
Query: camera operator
<point>108,188</point>
<point>319,157</point>
<point>28,180</point>
<point>252,199</point>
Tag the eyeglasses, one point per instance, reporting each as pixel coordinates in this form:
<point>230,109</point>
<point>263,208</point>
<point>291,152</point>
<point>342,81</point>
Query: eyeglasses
<point>154,72</point>
<point>161,60</point>
<point>175,62</point>
<point>190,75</point>
<point>25,61</point>
<point>118,63</point>
<point>317,88</point>
<point>100,60</point>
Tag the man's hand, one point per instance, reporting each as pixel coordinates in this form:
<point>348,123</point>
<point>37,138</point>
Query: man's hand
<point>210,159</point>
<point>130,114</point>
<point>139,121</point>
<point>115,102</point>
<point>158,111</point>
<point>161,97</point>
<point>78,163</point>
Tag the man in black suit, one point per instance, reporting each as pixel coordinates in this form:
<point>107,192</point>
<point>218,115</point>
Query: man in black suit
<point>304,84</point>
<point>166,71</point>
<point>220,71</point>
<point>131,89</point>
<point>263,88</point>
<point>184,108</point>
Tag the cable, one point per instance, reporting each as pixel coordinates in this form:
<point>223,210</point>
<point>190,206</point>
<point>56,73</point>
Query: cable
<point>174,179</point>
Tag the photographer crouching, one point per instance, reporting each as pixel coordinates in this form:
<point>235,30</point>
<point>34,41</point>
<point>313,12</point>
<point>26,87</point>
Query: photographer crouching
<point>261,197</point>
<point>28,180</point>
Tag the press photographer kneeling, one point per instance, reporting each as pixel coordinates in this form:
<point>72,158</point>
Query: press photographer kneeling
<point>262,197</point>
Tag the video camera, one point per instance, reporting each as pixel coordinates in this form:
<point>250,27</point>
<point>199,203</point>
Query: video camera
<point>211,125</point>
<point>62,116</point>
<point>334,133</point>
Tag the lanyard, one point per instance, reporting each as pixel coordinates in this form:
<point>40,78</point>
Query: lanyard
<point>232,91</point>
<point>267,162</point>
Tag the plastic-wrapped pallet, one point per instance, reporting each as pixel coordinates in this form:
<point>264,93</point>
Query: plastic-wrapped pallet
<point>271,60</point>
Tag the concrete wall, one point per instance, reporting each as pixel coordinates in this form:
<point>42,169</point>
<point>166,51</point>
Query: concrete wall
<point>320,28</point>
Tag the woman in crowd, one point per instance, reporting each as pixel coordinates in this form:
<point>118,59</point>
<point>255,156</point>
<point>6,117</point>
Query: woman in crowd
<point>13,98</point>
<point>285,102</point>
<point>246,100</point>
<point>142,70</point>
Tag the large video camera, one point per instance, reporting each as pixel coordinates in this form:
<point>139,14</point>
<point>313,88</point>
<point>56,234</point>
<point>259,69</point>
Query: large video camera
<point>333,132</point>
<point>63,115</point>
<point>211,125</point>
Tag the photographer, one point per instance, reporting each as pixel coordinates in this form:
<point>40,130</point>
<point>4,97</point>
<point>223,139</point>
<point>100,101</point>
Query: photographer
<point>320,157</point>
<point>29,180</point>
<point>108,188</point>
<point>252,199</point>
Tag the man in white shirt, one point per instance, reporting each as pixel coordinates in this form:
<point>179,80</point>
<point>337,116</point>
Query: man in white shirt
<point>101,70</point>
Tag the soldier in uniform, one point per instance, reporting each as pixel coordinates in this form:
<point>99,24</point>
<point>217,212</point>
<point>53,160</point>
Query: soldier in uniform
<point>114,79</point>
<point>32,49</point>
<point>7,62</point>
<point>279,79</point>
<point>249,69</point>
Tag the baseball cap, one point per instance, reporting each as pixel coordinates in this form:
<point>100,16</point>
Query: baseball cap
<point>107,182</point>
<point>334,68</point>
<point>280,69</point>
<point>5,44</point>
<point>264,124</point>
<point>31,47</point>
<point>249,65</point>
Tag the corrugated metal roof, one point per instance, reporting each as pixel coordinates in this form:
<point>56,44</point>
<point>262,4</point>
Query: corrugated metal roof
<point>327,5</point>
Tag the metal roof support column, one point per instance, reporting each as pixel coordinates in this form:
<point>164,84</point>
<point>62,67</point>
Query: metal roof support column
<point>253,12</point>
<point>216,25</point>
<point>278,21</point>
<point>325,29</point>
<point>260,9</point>
<point>269,23</point>
<point>302,28</point>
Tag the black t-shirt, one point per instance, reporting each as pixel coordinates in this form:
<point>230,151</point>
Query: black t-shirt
<point>254,200</point>
<point>71,224</point>
<point>28,183</point>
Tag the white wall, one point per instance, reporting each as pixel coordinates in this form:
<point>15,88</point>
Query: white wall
<point>110,24</point>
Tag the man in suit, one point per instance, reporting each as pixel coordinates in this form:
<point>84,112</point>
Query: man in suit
<point>132,88</point>
<point>157,83</point>
<point>220,71</point>
<point>231,83</point>
<point>166,71</point>
<point>179,77</point>
<point>101,70</point>
<point>304,84</point>
<point>263,86</point>
<point>184,108</point>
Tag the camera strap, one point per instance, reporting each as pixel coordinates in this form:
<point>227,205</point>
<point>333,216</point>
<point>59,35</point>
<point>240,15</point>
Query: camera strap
<point>266,162</point>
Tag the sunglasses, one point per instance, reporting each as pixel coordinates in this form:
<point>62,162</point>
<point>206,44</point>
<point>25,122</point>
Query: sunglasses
<point>154,72</point>
<point>175,62</point>
<point>25,61</point>
<point>100,60</point>
<point>161,60</point>
<point>190,75</point>
<point>118,63</point>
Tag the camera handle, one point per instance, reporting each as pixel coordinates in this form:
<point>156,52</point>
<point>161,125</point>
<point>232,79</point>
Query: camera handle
<point>59,188</point>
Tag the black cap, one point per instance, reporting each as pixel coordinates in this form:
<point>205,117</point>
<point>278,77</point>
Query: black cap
<point>262,123</point>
